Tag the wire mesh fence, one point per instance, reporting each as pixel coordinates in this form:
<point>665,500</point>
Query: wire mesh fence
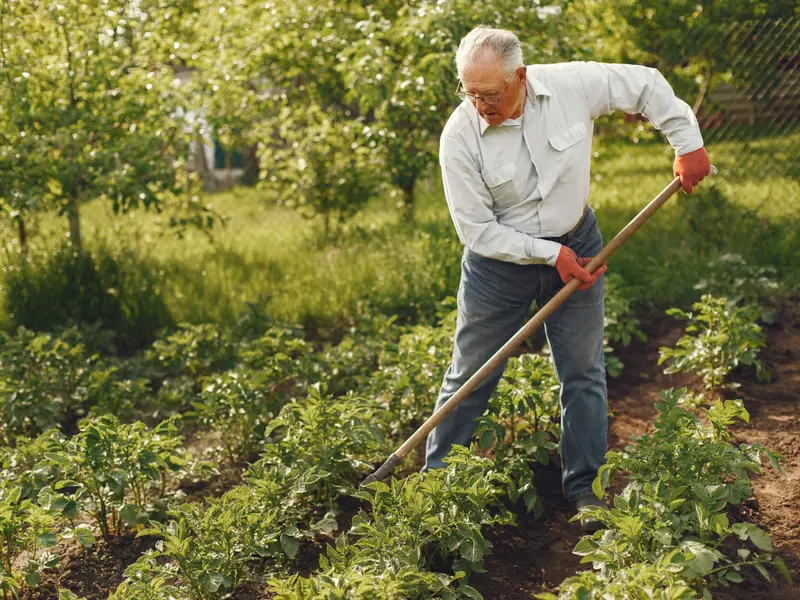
<point>751,114</point>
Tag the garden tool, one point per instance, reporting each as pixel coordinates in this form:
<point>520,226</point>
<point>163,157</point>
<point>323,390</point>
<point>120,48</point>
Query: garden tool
<point>511,345</point>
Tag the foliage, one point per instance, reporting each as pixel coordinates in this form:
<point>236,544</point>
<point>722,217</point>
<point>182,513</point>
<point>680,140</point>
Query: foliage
<point>641,580</point>
<point>24,527</point>
<point>209,547</point>
<point>339,437</point>
<point>740,282</point>
<point>92,87</point>
<point>324,165</point>
<point>719,337</point>
<point>194,350</point>
<point>680,38</point>
<point>415,521</point>
<point>406,582</point>
<point>521,424</point>
<point>106,286</point>
<point>116,471</point>
<point>683,449</point>
<point>620,323</point>
<point>410,371</point>
<point>352,363</point>
<point>400,71</point>
<point>672,514</point>
<point>42,379</point>
<point>238,405</point>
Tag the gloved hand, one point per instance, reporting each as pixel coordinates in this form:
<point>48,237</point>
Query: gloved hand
<point>569,266</point>
<point>692,168</point>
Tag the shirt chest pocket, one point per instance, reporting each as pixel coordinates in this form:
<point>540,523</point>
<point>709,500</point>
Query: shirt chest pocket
<point>565,147</point>
<point>500,181</point>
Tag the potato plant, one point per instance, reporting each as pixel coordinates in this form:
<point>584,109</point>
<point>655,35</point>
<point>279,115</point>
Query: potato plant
<point>643,580</point>
<point>410,372</point>
<point>28,532</point>
<point>194,350</point>
<point>342,437</point>
<point>719,337</point>
<point>42,379</point>
<point>521,424</point>
<point>682,478</point>
<point>116,471</point>
<point>320,448</point>
<point>620,322</point>
<point>237,405</point>
<point>414,523</point>
<point>730,275</point>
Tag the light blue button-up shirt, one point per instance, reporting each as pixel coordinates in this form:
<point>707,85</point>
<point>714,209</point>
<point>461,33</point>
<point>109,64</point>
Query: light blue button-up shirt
<point>510,185</point>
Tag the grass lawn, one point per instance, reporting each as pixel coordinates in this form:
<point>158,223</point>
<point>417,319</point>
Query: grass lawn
<point>381,265</point>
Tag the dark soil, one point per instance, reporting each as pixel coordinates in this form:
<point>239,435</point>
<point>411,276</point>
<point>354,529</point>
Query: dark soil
<point>537,555</point>
<point>91,572</point>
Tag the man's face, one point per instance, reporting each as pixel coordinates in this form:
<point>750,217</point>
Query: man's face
<point>486,78</point>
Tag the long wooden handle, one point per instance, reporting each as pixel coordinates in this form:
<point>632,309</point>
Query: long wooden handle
<point>508,348</point>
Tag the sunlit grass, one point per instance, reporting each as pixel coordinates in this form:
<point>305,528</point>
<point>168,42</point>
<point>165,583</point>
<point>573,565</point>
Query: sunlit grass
<point>381,265</point>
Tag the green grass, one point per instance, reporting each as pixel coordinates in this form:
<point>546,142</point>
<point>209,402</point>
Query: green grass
<point>383,266</point>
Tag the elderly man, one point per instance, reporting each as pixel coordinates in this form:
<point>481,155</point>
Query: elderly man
<point>515,165</point>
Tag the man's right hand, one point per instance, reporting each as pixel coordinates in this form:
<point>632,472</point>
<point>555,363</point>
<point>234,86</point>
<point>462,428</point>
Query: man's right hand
<point>570,266</point>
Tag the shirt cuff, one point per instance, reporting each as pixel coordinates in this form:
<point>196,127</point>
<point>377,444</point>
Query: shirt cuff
<point>690,145</point>
<point>545,250</point>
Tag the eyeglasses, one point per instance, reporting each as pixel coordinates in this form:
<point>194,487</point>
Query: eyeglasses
<point>488,99</point>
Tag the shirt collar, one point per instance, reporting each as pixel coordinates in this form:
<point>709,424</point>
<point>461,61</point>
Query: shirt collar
<point>535,88</point>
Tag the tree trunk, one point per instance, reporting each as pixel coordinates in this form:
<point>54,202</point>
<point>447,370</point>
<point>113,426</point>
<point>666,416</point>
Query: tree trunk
<point>228,170</point>
<point>408,202</point>
<point>23,236</point>
<point>251,167</point>
<point>703,90</point>
<point>74,224</point>
<point>200,162</point>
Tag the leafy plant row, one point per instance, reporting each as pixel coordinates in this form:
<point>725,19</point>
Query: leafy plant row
<point>670,533</point>
<point>232,383</point>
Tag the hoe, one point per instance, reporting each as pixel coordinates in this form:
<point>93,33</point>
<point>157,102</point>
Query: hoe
<point>511,345</point>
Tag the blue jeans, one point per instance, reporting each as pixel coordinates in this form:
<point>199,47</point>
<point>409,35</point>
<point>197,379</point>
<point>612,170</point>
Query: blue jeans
<point>494,298</point>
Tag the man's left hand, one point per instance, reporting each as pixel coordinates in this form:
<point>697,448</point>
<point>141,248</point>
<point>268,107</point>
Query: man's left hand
<point>692,168</point>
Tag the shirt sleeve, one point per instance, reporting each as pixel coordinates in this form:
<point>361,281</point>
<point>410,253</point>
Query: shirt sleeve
<point>636,89</point>
<point>470,206</point>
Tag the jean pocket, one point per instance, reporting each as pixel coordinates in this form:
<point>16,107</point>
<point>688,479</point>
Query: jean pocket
<point>588,240</point>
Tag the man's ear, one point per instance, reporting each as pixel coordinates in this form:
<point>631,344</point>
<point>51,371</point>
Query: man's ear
<point>523,74</point>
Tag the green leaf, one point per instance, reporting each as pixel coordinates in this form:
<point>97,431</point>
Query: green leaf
<point>760,538</point>
<point>85,535</point>
<point>33,578</point>
<point>734,577</point>
<point>290,545</point>
<point>211,582</point>
<point>486,439</point>
<point>782,569</point>
<point>472,550</point>
<point>129,514</point>
<point>470,592</point>
<point>760,568</point>
<point>47,540</point>
<point>586,546</point>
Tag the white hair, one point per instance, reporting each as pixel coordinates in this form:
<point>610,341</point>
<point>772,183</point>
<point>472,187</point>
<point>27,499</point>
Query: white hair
<point>503,43</point>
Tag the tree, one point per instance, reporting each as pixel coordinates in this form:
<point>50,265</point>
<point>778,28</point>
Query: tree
<point>401,71</point>
<point>91,82</point>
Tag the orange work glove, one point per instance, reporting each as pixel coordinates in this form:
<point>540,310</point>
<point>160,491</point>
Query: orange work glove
<point>569,266</point>
<point>692,168</point>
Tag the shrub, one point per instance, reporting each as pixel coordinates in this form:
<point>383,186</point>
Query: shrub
<point>45,290</point>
